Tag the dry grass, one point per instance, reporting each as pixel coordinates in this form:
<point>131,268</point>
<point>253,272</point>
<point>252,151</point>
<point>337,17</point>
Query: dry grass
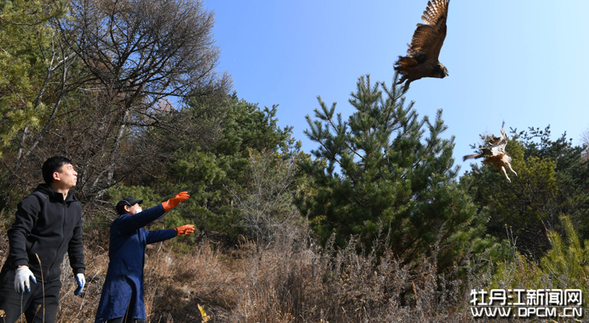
<point>290,281</point>
<point>290,284</point>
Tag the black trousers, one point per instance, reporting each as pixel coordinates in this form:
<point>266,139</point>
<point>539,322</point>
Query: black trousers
<point>31,304</point>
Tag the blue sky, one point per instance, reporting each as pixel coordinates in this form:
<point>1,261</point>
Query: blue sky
<point>522,62</point>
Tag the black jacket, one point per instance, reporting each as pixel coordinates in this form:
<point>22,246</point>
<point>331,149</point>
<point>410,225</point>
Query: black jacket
<point>47,226</point>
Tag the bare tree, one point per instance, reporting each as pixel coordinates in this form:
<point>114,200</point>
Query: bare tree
<point>118,71</point>
<point>266,204</point>
<point>142,55</point>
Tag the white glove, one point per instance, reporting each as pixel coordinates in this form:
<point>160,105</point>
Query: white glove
<point>21,280</point>
<point>81,282</point>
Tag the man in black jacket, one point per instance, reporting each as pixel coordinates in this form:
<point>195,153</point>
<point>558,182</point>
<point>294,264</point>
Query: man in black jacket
<point>48,223</point>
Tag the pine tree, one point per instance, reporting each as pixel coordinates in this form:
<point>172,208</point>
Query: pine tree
<point>217,164</point>
<point>571,173</point>
<point>567,263</point>
<point>379,172</point>
<point>27,60</point>
<point>552,180</point>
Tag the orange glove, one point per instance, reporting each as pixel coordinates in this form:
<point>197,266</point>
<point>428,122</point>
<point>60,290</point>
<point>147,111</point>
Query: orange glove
<point>186,230</point>
<point>182,196</point>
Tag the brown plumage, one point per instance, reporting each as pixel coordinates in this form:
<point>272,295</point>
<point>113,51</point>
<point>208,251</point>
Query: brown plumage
<point>422,55</point>
<point>494,153</point>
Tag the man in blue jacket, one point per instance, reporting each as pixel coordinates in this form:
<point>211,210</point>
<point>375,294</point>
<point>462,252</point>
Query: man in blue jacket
<point>122,293</point>
<point>48,223</point>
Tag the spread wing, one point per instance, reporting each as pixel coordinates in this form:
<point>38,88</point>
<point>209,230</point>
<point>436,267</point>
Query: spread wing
<point>429,37</point>
<point>497,145</point>
<point>494,147</point>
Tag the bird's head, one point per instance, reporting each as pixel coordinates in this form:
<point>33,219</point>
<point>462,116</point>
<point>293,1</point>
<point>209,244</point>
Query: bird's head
<point>440,71</point>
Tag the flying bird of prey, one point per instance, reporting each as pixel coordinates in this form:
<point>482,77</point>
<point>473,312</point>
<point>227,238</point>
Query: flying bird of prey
<point>422,55</point>
<point>494,153</point>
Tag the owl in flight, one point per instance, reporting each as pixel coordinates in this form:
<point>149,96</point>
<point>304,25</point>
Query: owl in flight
<point>422,55</point>
<point>494,153</point>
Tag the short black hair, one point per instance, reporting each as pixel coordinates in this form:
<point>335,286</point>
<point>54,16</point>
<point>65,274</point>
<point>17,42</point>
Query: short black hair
<point>51,165</point>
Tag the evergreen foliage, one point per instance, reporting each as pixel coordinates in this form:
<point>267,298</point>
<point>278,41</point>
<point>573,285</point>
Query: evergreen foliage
<point>565,265</point>
<point>567,262</point>
<point>95,84</point>
<point>551,181</point>
<point>213,170</point>
<point>26,45</point>
<point>379,172</point>
<point>144,113</point>
<point>571,173</point>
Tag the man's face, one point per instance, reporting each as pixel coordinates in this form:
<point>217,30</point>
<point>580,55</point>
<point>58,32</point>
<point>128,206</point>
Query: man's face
<point>66,175</point>
<point>133,209</point>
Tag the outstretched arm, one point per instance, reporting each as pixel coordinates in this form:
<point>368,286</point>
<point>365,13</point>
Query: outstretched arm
<point>161,235</point>
<point>126,224</point>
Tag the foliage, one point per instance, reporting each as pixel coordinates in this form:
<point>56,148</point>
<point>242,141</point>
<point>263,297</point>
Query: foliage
<point>551,181</point>
<point>292,281</point>
<point>129,91</point>
<point>214,170</point>
<point>565,265</point>
<point>571,174</point>
<point>567,262</point>
<point>26,40</point>
<point>377,171</point>
<point>140,55</point>
<point>105,76</point>
<point>519,272</point>
<point>521,204</point>
<point>266,203</point>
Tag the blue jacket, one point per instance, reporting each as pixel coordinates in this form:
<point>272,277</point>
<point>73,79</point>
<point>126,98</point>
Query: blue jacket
<point>123,287</point>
